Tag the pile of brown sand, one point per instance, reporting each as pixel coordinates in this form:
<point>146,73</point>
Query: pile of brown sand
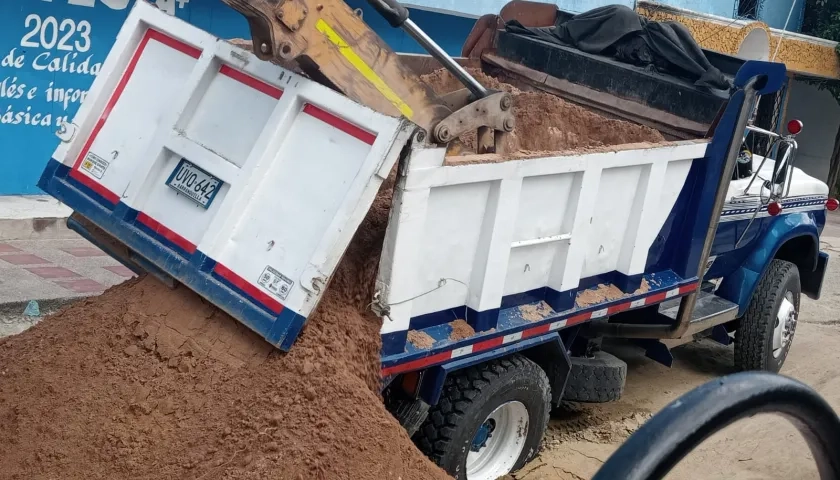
<point>547,123</point>
<point>145,382</point>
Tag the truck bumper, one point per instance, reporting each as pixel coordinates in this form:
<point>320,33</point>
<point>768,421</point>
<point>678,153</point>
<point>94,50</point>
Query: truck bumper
<point>812,282</point>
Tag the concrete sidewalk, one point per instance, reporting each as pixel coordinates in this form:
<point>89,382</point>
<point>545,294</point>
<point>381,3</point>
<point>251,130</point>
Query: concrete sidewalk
<point>55,268</point>
<point>32,217</point>
<point>52,272</point>
<point>42,260</point>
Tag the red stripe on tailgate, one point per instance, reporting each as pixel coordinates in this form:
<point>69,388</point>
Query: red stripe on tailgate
<point>118,91</point>
<point>621,307</point>
<point>657,298</point>
<point>248,288</point>
<point>132,64</point>
<point>166,232</point>
<point>340,124</point>
<point>252,82</point>
<point>96,187</point>
<point>173,43</point>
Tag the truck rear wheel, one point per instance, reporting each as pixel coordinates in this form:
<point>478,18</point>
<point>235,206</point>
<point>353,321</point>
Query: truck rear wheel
<point>596,379</point>
<point>490,419</point>
<point>765,333</point>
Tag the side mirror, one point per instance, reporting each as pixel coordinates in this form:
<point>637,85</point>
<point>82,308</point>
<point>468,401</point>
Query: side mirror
<point>651,452</point>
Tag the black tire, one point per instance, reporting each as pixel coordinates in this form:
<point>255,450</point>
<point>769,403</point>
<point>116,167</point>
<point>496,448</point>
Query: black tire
<point>754,337</point>
<point>470,396</point>
<point>410,413</point>
<point>596,379</point>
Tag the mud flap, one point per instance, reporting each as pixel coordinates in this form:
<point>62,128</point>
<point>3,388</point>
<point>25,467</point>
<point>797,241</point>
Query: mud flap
<point>812,282</point>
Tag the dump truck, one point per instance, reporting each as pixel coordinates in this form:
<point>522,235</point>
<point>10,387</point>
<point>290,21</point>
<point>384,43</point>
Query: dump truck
<point>243,175</point>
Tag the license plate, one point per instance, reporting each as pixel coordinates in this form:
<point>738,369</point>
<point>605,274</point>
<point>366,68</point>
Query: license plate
<point>196,184</point>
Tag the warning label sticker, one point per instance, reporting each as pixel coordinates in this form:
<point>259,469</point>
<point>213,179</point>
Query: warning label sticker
<point>276,283</point>
<point>95,165</point>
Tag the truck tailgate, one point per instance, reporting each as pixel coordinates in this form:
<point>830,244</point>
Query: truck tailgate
<point>236,177</point>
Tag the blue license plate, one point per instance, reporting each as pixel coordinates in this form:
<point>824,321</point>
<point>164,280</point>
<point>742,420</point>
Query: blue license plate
<point>194,183</point>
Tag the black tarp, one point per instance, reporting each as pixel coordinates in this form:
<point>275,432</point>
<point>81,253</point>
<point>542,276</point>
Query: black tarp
<point>618,31</point>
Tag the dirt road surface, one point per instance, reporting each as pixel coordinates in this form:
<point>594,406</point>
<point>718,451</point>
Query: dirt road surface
<point>581,437</point>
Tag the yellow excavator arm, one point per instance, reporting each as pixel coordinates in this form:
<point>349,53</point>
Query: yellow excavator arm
<point>332,45</point>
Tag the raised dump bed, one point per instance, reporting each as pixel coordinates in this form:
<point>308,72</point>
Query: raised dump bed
<point>240,179</point>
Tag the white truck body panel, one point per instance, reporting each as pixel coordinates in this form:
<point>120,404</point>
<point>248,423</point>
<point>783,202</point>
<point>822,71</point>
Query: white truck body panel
<point>298,164</point>
<point>470,234</point>
<point>805,192</point>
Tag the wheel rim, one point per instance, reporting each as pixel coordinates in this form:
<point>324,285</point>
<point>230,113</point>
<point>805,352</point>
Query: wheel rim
<point>785,325</point>
<point>498,442</point>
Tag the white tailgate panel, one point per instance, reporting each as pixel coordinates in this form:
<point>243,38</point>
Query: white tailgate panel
<point>157,79</point>
<point>297,200</point>
<point>299,164</point>
<point>613,211</point>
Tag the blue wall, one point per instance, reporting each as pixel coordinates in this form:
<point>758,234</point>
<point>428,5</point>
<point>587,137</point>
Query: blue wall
<point>449,31</point>
<point>51,51</point>
<point>721,8</point>
<point>477,8</point>
<point>775,13</point>
<point>43,80</point>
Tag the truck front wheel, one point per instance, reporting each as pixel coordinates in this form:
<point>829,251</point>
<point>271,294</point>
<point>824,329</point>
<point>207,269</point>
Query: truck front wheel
<point>490,419</point>
<point>765,333</point>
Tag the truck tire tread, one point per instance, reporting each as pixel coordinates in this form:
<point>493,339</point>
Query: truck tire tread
<point>465,388</point>
<point>599,379</point>
<point>751,346</point>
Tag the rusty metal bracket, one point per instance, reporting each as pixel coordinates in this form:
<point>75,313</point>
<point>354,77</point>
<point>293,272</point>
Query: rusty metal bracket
<point>457,99</point>
<point>292,13</point>
<point>489,115</point>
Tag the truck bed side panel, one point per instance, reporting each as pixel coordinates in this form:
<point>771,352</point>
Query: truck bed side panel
<point>468,240</point>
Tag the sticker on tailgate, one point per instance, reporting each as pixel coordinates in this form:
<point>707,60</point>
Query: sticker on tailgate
<point>95,165</point>
<point>276,283</point>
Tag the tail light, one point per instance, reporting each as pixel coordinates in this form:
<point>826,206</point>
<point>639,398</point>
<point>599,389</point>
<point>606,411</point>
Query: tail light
<point>831,204</point>
<point>774,208</point>
<point>794,127</point>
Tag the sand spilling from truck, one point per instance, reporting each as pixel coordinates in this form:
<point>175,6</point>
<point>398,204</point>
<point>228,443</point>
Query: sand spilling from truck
<point>145,382</point>
<point>547,123</point>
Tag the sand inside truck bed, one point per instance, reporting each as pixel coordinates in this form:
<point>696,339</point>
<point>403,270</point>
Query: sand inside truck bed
<point>144,382</point>
<point>545,122</point>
